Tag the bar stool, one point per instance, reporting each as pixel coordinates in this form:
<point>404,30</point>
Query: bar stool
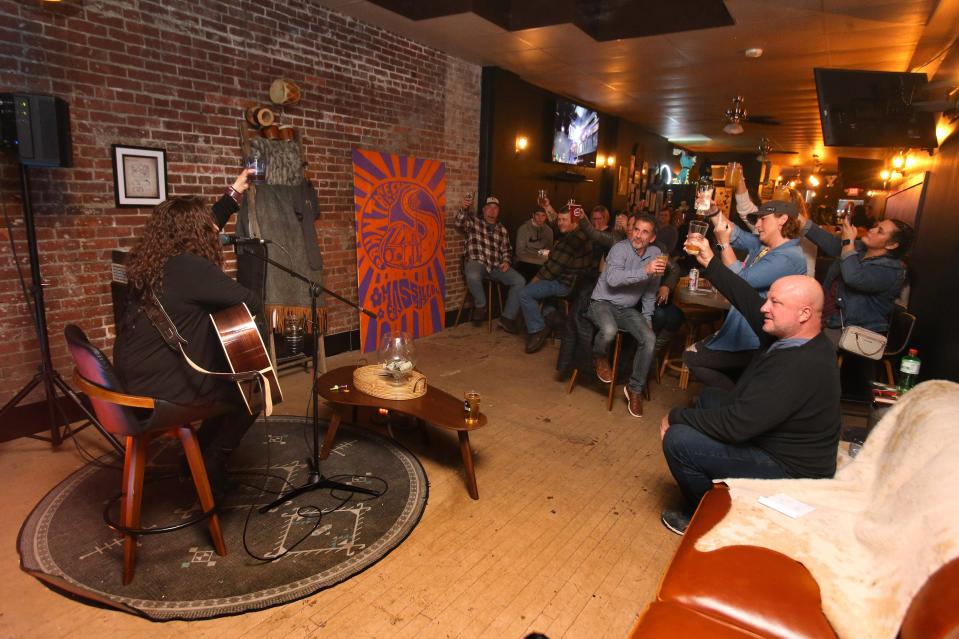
<point>489,303</point>
<point>617,348</point>
<point>696,318</point>
<point>138,419</point>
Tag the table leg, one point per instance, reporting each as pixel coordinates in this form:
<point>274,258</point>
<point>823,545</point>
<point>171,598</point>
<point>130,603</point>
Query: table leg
<point>330,433</point>
<point>467,453</point>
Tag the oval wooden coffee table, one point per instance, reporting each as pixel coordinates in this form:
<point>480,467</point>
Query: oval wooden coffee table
<point>436,407</point>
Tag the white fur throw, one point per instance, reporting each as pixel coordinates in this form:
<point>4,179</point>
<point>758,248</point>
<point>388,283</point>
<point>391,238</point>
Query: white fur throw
<point>886,522</point>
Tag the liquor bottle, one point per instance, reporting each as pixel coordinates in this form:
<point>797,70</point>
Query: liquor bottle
<point>908,371</point>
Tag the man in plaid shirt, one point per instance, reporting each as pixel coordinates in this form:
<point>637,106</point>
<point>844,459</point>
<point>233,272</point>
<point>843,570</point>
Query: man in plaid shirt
<point>571,256</point>
<point>488,255</point>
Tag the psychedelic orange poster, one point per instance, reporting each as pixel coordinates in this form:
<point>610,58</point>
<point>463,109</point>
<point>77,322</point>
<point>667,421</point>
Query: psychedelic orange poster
<point>400,267</point>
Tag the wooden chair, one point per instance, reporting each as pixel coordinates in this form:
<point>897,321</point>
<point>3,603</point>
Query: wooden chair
<point>611,386</point>
<point>901,325</point>
<point>137,420</point>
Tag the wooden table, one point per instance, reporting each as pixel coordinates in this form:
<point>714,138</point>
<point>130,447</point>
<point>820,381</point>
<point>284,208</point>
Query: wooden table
<point>710,298</point>
<point>436,407</point>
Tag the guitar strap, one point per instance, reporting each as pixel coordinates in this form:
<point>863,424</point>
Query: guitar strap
<point>164,325</point>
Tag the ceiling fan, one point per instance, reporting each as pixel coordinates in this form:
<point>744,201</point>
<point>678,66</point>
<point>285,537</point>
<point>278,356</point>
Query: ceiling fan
<point>766,149</point>
<point>737,115</point>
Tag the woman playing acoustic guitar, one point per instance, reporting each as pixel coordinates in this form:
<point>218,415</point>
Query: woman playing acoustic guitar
<point>178,258</point>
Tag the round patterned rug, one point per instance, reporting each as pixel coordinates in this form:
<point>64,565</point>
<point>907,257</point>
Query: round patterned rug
<point>296,549</point>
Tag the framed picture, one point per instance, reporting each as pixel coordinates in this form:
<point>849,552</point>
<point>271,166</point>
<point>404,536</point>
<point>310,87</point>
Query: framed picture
<point>139,176</point>
<point>622,181</point>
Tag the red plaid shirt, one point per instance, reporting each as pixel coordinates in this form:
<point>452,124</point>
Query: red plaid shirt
<point>486,243</point>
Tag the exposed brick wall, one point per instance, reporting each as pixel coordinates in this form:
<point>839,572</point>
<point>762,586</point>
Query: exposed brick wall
<point>177,75</point>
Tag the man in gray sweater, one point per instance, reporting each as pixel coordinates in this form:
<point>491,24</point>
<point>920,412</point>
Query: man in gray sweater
<point>631,276</point>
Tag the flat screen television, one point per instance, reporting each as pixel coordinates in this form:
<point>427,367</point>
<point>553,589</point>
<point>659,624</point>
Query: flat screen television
<point>575,134</point>
<point>874,109</point>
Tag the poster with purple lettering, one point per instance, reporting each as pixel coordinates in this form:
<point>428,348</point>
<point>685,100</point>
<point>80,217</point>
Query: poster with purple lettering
<point>400,265</point>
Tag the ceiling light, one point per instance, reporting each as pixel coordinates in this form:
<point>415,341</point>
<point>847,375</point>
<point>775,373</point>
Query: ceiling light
<point>733,128</point>
<point>813,181</point>
<point>735,116</point>
<point>753,52</point>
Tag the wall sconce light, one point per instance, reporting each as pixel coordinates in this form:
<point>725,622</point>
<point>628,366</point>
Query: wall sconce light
<point>610,160</point>
<point>521,143</point>
<point>813,181</point>
<point>600,160</point>
<point>898,161</point>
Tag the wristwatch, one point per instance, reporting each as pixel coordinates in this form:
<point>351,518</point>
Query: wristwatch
<point>720,246</point>
<point>846,241</point>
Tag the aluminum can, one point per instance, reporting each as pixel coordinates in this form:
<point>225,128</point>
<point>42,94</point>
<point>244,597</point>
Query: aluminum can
<point>694,279</point>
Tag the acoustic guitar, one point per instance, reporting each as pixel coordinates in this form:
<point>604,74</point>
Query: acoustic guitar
<point>246,352</point>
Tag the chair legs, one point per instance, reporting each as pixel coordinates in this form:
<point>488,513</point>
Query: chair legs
<point>489,304</point>
<point>134,469</point>
<point>198,470</point>
<point>612,384</point>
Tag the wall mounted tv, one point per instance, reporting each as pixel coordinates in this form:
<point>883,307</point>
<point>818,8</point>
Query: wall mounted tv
<point>575,134</point>
<point>874,109</point>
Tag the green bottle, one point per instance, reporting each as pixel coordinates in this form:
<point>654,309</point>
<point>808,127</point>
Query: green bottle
<point>908,371</point>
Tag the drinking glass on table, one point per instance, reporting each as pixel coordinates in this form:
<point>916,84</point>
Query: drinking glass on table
<point>697,229</point>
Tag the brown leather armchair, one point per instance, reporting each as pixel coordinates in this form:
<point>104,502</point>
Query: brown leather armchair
<point>748,591</point>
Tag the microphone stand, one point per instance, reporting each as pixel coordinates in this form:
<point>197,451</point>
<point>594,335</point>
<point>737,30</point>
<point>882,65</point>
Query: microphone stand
<point>316,480</point>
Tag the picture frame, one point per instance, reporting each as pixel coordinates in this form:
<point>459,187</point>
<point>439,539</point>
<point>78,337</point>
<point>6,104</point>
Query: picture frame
<point>622,181</point>
<point>139,176</point>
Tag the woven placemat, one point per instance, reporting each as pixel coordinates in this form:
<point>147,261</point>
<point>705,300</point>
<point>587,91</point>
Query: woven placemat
<point>371,380</point>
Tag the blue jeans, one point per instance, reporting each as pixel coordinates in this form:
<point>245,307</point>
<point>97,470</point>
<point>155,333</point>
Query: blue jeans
<point>476,271</point>
<point>529,299</point>
<point>696,459</point>
<point>610,318</point>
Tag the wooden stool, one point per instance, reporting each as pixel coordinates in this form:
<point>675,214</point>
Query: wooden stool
<point>489,303</point>
<point>617,347</point>
<point>696,319</point>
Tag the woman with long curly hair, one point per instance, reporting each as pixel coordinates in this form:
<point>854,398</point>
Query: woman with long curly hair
<point>178,259</point>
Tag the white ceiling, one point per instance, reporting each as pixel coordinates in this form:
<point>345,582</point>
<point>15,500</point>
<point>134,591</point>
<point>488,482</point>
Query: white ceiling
<point>679,85</point>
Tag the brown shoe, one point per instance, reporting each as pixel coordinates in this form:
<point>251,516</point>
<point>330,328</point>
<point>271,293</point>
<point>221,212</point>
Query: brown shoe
<point>634,402</point>
<point>603,371</point>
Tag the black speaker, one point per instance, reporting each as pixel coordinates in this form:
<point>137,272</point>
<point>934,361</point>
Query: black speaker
<point>38,127</point>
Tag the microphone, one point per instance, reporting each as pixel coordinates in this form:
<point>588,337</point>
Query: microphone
<point>227,240</point>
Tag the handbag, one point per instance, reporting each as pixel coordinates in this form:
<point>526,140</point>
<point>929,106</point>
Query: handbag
<point>861,341</point>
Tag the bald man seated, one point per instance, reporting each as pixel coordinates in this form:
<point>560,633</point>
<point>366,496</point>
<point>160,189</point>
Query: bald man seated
<point>781,420</point>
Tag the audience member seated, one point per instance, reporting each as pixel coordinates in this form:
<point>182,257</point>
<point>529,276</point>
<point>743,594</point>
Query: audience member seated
<point>571,256</point>
<point>666,234</point>
<point>488,255</point>
<point>862,285</point>
<point>631,277</point>
<point>534,239</point>
<point>774,253</point>
<point>781,419</point>
<point>746,209</point>
<point>599,218</point>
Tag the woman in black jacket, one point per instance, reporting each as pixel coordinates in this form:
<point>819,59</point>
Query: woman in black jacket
<point>179,259</point>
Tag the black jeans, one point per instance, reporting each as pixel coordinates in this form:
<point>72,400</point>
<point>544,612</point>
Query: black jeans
<point>696,459</point>
<point>717,369</point>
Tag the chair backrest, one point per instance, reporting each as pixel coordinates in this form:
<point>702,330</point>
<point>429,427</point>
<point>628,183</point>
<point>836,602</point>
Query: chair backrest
<point>93,365</point>
<point>901,325</point>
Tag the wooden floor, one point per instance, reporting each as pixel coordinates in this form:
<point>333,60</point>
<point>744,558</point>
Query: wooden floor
<point>565,539</point>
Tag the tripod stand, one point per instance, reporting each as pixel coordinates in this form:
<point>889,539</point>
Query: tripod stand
<point>47,375</point>
<point>316,480</point>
